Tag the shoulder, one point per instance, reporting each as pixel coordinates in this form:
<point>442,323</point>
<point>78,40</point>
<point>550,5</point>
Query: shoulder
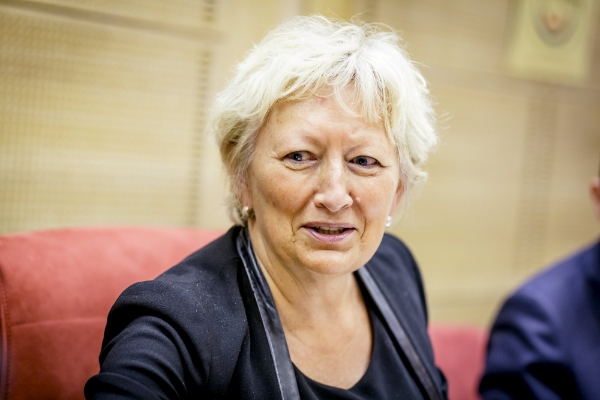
<point>197,292</point>
<point>178,335</point>
<point>393,243</point>
<point>394,264</point>
<point>205,273</point>
<point>553,296</point>
<point>212,262</point>
<point>559,288</point>
<point>538,338</point>
<point>581,265</point>
<point>394,249</point>
<point>396,272</point>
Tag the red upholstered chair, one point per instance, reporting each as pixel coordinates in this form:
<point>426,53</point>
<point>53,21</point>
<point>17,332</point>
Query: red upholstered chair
<point>460,354</point>
<point>56,288</point>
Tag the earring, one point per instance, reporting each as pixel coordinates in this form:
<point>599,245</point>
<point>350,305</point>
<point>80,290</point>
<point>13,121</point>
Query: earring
<point>388,222</point>
<point>246,213</point>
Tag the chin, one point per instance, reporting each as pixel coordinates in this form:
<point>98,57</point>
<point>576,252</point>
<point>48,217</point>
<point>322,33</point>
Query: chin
<point>332,264</point>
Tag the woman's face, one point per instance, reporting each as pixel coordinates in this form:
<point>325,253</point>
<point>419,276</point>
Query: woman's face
<point>322,183</point>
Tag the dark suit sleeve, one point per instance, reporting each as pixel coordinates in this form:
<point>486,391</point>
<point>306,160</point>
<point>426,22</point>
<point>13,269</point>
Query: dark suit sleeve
<point>524,359</point>
<point>146,353</point>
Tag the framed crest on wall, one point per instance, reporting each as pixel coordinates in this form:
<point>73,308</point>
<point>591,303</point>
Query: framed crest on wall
<point>551,40</point>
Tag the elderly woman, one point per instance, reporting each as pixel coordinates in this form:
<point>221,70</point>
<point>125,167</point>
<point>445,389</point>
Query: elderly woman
<point>323,132</point>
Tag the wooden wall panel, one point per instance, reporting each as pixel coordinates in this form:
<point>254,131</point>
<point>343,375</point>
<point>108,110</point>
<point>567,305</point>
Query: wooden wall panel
<point>466,34</point>
<point>192,13</point>
<point>103,108</point>
<point>571,222</point>
<point>507,193</point>
<point>462,226</point>
<point>99,122</point>
<point>243,23</point>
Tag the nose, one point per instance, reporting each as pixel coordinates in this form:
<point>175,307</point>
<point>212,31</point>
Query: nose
<point>333,187</point>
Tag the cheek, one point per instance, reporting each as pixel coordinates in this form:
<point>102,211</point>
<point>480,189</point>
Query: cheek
<point>277,191</point>
<point>377,197</point>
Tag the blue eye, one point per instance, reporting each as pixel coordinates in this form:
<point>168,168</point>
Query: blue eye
<point>298,156</point>
<point>365,161</point>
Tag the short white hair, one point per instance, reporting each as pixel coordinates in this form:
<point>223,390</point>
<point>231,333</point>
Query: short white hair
<point>306,54</point>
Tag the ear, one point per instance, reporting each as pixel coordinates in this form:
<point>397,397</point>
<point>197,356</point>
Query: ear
<point>595,195</point>
<point>246,195</point>
<point>397,197</point>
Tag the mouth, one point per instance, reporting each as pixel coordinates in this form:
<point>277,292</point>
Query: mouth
<point>327,230</point>
<point>330,232</point>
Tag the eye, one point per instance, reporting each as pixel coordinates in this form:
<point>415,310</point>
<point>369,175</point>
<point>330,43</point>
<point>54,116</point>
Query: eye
<point>365,161</point>
<point>298,156</point>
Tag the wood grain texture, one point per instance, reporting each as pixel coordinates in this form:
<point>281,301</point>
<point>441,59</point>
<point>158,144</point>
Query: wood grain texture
<point>507,193</point>
<point>103,106</point>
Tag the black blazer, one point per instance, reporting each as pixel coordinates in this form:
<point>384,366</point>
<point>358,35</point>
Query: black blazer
<point>196,332</point>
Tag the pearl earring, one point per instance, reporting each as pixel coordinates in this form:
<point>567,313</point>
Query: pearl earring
<point>388,222</point>
<point>245,213</point>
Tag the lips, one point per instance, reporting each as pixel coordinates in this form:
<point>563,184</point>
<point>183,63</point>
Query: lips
<point>329,232</point>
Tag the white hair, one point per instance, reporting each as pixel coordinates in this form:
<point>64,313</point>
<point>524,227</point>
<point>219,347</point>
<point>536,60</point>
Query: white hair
<point>306,54</point>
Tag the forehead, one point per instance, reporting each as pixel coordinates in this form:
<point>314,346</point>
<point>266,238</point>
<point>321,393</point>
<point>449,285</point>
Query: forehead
<point>324,122</point>
<point>320,120</point>
<point>341,110</point>
<point>348,97</point>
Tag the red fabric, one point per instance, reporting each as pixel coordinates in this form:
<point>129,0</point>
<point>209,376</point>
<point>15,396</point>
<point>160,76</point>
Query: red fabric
<point>56,288</point>
<point>460,354</point>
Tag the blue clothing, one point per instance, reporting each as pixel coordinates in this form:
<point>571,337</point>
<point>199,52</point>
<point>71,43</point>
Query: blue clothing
<point>545,342</point>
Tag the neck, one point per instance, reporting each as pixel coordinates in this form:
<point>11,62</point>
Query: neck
<point>305,298</point>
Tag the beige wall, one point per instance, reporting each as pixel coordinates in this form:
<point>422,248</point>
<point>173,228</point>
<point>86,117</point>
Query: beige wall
<point>508,184</point>
<point>103,108</point>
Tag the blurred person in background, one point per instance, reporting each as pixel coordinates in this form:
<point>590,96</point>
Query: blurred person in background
<point>545,342</point>
<point>323,132</point>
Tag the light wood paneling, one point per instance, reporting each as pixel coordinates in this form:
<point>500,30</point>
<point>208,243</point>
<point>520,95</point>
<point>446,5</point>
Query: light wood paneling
<point>103,108</point>
<point>466,34</point>
<point>99,123</point>
<point>245,22</point>
<point>577,159</point>
<point>192,13</point>
<point>462,227</point>
<point>507,193</point>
